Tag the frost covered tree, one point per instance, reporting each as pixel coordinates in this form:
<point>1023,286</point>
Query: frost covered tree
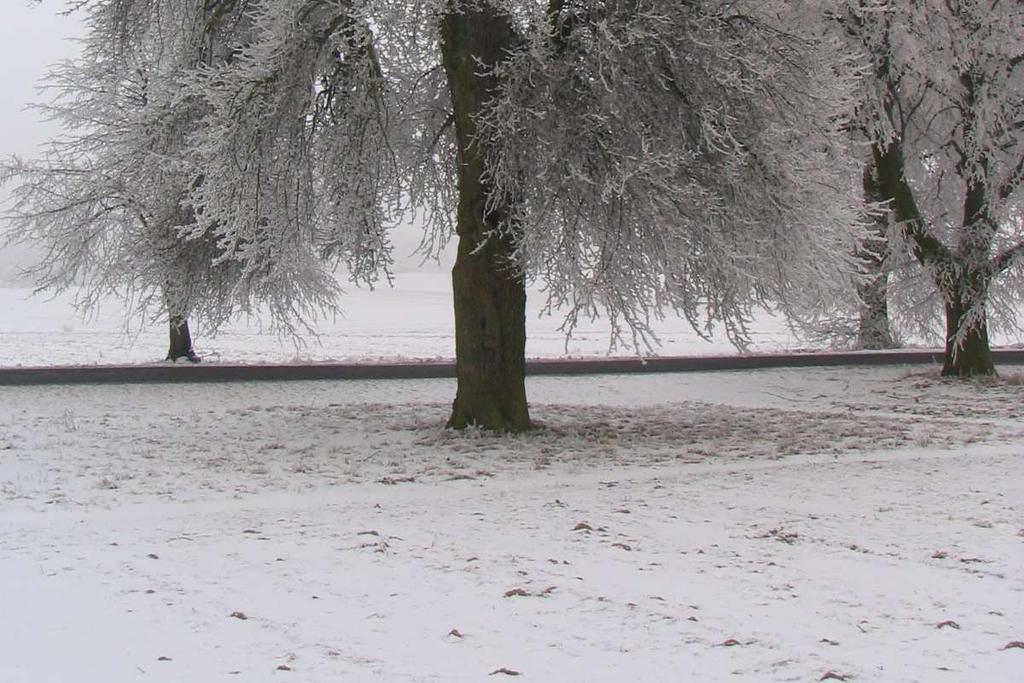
<point>105,199</point>
<point>944,113</point>
<point>640,157</point>
<point>110,198</point>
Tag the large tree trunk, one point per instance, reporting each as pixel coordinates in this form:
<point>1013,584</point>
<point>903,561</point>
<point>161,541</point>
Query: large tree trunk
<point>181,341</point>
<point>966,300</point>
<point>974,356</point>
<point>489,290</point>
<point>965,294</point>
<point>875,331</point>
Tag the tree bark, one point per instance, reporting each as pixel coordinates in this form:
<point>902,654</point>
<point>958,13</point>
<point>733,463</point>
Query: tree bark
<point>973,357</point>
<point>181,341</point>
<point>969,291</point>
<point>875,332</point>
<point>489,290</point>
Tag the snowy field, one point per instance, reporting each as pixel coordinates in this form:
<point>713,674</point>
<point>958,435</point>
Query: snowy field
<point>783,525</point>
<point>411,321</point>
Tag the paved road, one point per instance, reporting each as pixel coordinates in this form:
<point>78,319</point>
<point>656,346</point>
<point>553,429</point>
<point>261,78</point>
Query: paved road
<point>165,372</point>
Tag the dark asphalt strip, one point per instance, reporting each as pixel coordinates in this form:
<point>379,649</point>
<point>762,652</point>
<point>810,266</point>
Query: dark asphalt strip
<point>166,372</point>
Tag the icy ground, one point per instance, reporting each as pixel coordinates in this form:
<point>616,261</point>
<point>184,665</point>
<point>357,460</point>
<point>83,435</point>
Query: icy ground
<point>789,525</point>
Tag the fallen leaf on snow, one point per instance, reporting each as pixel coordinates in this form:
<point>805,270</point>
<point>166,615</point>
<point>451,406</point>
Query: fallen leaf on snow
<point>378,547</point>
<point>833,676</point>
<point>504,670</point>
<point>583,526</point>
<point>239,615</point>
<point>783,536</point>
<point>1014,645</point>
<point>391,481</point>
<point>516,592</point>
<point>455,633</point>
<point>283,667</point>
<point>731,642</point>
<point>161,658</point>
<point>624,546</point>
<point>948,622</point>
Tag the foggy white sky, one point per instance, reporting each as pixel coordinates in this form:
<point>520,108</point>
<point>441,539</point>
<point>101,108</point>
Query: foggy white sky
<point>32,37</point>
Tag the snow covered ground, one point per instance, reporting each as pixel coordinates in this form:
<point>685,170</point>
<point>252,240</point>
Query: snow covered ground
<point>825,524</point>
<point>791,525</point>
<point>412,321</point>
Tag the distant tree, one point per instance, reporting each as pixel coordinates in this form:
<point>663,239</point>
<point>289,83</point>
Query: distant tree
<point>110,199</point>
<point>639,157</point>
<point>944,115</point>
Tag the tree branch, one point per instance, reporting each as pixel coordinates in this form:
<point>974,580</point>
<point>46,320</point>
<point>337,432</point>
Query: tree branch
<point>890,169</point>
<point>1013,180</point>
<point>1009,258</point>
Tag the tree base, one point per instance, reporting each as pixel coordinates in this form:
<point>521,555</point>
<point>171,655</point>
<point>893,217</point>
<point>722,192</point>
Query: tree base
<point>973,356</point>
<point>181,342</point>
<point>967,370</point>
<point>876,342</point>
<point>492,422</point>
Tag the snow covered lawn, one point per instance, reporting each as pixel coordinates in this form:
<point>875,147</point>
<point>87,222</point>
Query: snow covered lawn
<point>411,321</point>
<point>805,525</point>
